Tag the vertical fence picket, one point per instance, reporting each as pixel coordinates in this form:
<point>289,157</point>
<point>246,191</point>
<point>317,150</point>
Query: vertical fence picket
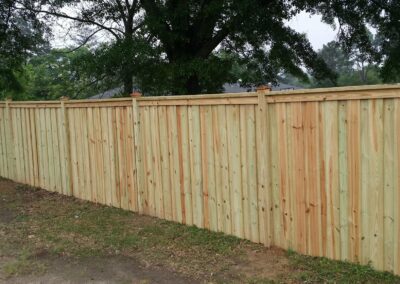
<point>311,170</point>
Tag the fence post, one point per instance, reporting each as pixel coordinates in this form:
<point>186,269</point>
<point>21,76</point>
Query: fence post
<point>9,142</point>
<point>137,167</point>
<point>263,177</point>
<point>67,169</point>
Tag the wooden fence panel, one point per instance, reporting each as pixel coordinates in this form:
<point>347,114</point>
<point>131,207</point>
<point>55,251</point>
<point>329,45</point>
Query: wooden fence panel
<point>316,171</point>
<point>3,144</point>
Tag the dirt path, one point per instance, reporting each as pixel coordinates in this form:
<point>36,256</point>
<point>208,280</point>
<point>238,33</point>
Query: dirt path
<point>98,270</point>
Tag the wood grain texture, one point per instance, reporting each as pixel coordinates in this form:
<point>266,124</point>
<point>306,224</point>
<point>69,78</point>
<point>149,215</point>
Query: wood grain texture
<point>312,170</point>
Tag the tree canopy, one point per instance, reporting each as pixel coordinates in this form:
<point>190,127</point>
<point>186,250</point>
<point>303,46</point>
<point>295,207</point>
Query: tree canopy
<point>189,47</point>
<point>21,35</point>
<point>351,65</point>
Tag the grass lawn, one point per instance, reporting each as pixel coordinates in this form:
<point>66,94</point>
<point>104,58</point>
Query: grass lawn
<point>46,237</point>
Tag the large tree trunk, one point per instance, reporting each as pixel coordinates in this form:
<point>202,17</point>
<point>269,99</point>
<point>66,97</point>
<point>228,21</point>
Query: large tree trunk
<point>127,72</point>
<point>128,83</point>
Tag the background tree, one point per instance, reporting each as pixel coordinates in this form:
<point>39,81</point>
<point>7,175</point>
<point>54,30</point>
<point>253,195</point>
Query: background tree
<point>120,20</point>
<point>191,32</point>
<point>384,15</point>
<point>175,47</point>
<point>60,73</point>
<point>21,36</point>
<point>351,66</point>
<point>185,37</point>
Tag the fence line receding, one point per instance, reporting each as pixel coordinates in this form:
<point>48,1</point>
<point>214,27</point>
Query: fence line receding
<point>316,171</point>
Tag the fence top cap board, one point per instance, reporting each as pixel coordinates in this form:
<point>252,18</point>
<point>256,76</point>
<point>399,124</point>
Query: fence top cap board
<point>273,96</point>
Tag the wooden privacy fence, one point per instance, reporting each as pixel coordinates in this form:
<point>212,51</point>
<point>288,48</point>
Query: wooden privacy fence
<point>316,171</point>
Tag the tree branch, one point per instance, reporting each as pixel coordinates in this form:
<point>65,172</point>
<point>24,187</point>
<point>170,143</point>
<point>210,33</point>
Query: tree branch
<point>121,9</point>
<point>111,30</point>
<point>209,46</point>
<point>83,43</point>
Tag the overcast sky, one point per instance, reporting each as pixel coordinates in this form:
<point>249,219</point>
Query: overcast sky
<point>317,32</point>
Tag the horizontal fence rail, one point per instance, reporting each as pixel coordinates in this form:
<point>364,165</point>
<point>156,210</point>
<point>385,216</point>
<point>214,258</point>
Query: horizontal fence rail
<point>316,171</point>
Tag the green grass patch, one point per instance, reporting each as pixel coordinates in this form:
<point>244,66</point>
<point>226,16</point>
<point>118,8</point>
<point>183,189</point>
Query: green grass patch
<point>79,227</point>
<point>67,227</point>
<point>23,265</point>
<point>164,233</point>
<point>323,270</point>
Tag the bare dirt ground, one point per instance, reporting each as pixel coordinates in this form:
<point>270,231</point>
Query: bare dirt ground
<point>49,238</point>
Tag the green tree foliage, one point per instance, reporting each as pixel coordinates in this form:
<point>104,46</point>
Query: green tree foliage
<point>173,46</point>
<point>120,20</point>
<point>21,35</point>
<point>253,32</point>
<point>351,66</point>
<point>61,73</point>
<point>384,15</point>
<point>180,47</point>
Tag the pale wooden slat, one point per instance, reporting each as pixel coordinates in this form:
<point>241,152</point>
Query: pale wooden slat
<point>39,147</point>
<point>25,146</point>
<point>16,119</point>
<point>322,190</point>
<point>93,179</point>
<point>112,187</point>
<point>364,199</point>
<point>120,144</point>
<point>251,148</point>
<point>177,199</point>
<point>218,168</point>
<point>389,184</point>
<point>144,134</point>
<point>184,162</point>
<point>282,149</point>
<point>138,166</point>
<point>167,186</point>
<point>244,165</point>
<point>10,141</point>
<point>331,153</point>
<point>224,165</point>
<point>299,182</point>
<point>312,181</point>
<point>234,155</point>
<point>130,159</point>
<point>204,134</point>
<point>3,157</point>
<point>263,169</point>
<point>343,182</point>
<point>56,151</point>
<point>156,168</point>
<point>376,182</point>
<point>50,150</point>
<point>75,180</point>
<point>45,155</point>
<point>85,156</point>
<point>149,200</point>
<point>353,167</point>
<point>396,193</point>
<point>195,165</point>
<point>212,195</point>
<point>275,171</point>
<point>35,147</point>
<point>105,143</point>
